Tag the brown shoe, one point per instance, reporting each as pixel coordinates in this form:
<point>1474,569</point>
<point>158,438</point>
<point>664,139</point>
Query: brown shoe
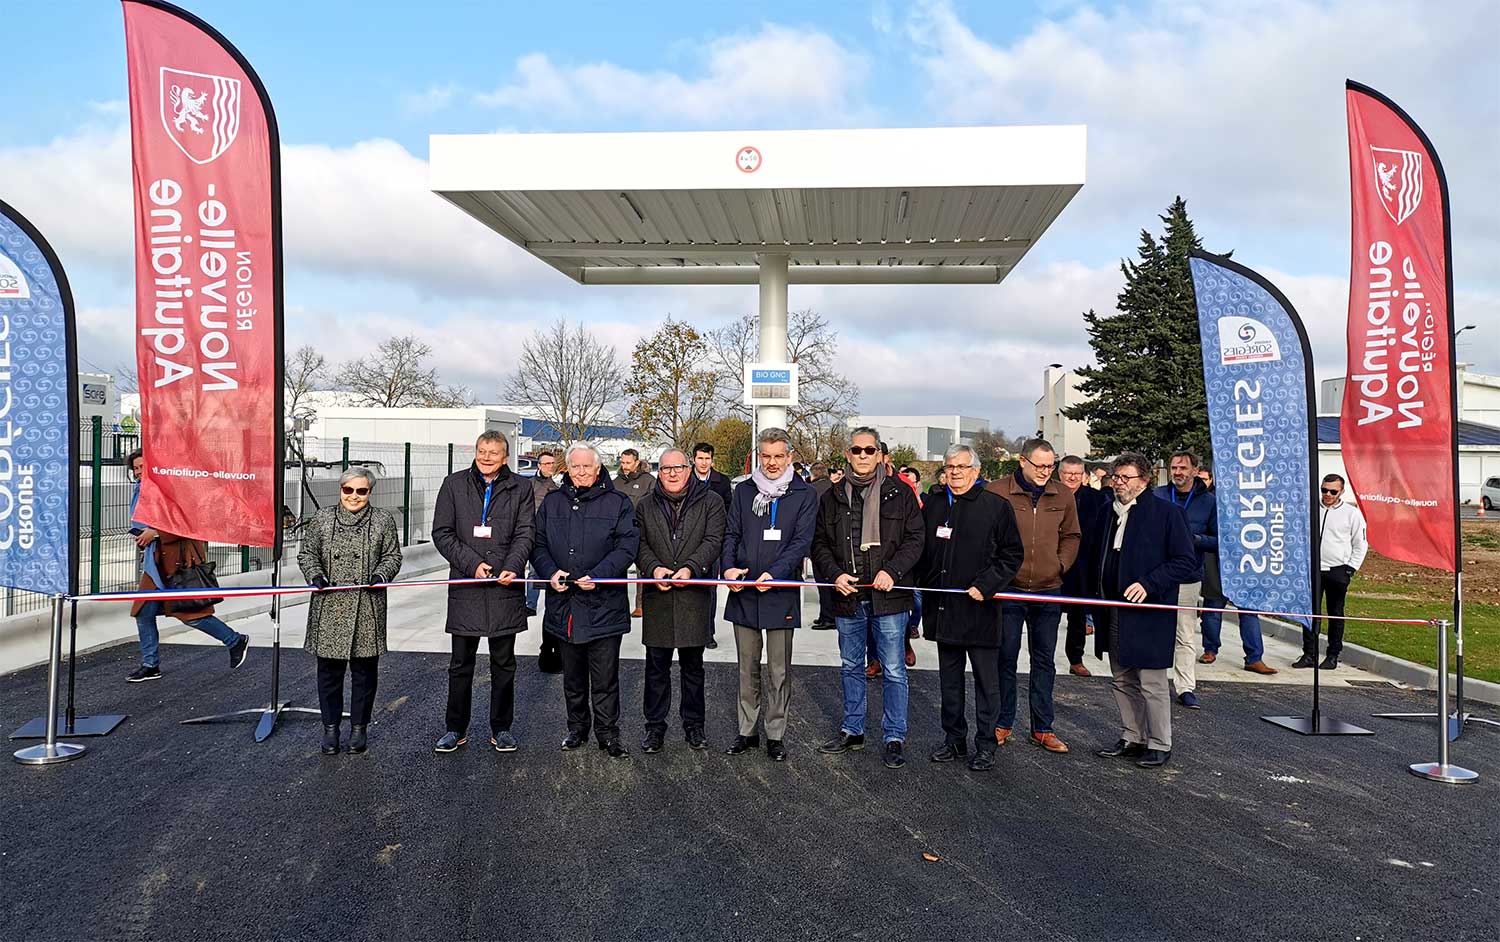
<point>873,670</point>
<point>1078,670</point>
<point>1260,667</point>
<point>1002,735</point>
<point>1049,742</point>
<point>1208,657</point>
<point>636,614</point>
<point>911,656</point>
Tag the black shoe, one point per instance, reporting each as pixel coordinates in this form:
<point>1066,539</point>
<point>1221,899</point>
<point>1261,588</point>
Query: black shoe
<point>575,740</point>
<point>143,673</point>
<point>451,742</point>
<point>695,739</point>
<point>238,652</point>
<point>742,745</point>
<point>982,760</point>
<point>357,740</point>
<point>530,612</point>
<point>1123,750</point>
<point>652,743</point>
<point>824,624</point>
<point>615,750</point>
<point>1155,758</point>
<point>844,743</point>
<point>1305,660</point>
<point>948,752</point>
<point>893,758</point>
<point>548,659</point>
<point>330,741</point>
<point>1330,663</point>
<point>775,751</point>
<point>711,644</point>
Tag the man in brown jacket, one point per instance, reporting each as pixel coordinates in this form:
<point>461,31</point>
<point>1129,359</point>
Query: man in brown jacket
<point>1048,520</point>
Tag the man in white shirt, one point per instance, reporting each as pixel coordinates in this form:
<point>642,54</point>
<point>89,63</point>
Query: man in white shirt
<point>1341,529</point>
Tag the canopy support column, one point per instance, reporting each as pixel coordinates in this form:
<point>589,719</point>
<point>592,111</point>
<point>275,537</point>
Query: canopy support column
<point>773,347</point>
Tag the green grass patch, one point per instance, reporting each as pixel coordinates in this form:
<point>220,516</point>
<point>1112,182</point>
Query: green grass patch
<point>1417,643</point>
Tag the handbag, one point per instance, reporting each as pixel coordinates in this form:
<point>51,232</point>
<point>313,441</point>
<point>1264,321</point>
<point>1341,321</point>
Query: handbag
<point>199,575</point>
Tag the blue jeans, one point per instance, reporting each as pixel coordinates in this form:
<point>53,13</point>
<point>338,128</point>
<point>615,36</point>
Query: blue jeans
<point>890,635</point>
<point>145,627</point>
<point>1250,637</point>
<point>1040,619</point>
<point>533,589</point>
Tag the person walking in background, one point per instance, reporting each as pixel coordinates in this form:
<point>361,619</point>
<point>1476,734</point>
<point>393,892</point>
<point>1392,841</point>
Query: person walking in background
<point>971,544</point>
<point>913,477</point>
<point>162,555</point>
<point>1090,504</point>
<point>586,531</point>
<point>868,539</point>
<point>1197,506</point>
<point>483,525</point>
<point>635,482</point>
<point>769,534</point>
<point>704,471</point>
<point>1142,553</point>
<point>1342,548</point>
<point>821,484</point>
<point>681,527</point>
<point>352,543</point>
<point>548,661</point>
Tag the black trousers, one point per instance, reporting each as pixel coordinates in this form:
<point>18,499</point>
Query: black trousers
<point>362,681</point>
<point>1076,639</point>
<point>985,663</point>
<point>591,673</point>
<point>1334,588</point>
<point>659,687</point>
<point>502,683</point>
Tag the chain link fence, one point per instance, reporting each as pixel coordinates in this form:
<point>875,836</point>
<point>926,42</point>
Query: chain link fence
<point>407,478</point>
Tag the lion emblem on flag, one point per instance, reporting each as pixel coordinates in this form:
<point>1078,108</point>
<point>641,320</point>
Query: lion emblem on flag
<point>189,105</point>
<point>1398,181</point>
<point>200,112</point>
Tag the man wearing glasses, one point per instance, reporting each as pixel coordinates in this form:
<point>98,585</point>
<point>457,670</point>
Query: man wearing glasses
<point>1089,504</point>
<point>971,548</point>
<point>1342,548</point>
<point>1047,516</point>
<point>1142,553</point>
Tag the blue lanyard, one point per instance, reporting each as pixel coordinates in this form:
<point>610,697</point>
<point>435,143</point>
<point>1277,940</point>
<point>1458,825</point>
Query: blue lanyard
<point>1191,492</point>
<point>485,514</point>
<point>773,512</point>
<point>949,522</point>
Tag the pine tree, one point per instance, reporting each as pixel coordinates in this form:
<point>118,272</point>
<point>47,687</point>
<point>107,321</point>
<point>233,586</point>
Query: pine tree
<point>1147,391</point>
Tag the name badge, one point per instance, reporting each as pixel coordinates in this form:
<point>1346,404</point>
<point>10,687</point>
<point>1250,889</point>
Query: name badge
<point>945,533</point>
<point>483,533</point>
<point>773,536</point>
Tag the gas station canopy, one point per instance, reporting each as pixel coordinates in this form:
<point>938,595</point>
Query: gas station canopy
<point>899,206</point>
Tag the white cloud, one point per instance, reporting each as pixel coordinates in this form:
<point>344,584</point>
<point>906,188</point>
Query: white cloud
<point>778,75</point>
<point>432,99</point>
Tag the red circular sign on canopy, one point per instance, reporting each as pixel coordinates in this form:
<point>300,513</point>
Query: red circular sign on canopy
<point>748,159</point>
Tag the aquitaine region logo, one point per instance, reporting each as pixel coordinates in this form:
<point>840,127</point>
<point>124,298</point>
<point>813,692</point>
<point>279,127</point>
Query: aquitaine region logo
<point>1398,181</point>
<point>201,113</point>
<point>1246,340</point>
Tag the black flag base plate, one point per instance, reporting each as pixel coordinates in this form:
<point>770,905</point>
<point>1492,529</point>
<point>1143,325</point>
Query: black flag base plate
<point>101,725</point>
<point>268,717</point>
<point>1317,726</point>
<point>1456,721</point>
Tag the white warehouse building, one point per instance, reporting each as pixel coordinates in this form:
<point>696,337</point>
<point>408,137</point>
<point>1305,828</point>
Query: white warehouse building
<point>928,435</point>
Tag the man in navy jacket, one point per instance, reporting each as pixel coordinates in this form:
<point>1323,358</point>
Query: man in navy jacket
<point>771,521</point>
<point>1090,503</point>
<point>1200,510</point>
<point>1141,552</point>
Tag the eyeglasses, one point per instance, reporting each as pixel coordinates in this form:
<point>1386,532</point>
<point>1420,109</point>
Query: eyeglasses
<point>1122,478</point>
<point>864,449</point>
<point>958,468</point>
<point>1040,467</point>
<point>673,468</point>
<point>1332,491</point>
<point>361,491</point>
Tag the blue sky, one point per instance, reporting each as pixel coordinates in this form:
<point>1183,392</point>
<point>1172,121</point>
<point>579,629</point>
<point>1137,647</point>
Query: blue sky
<point>1237,106</point>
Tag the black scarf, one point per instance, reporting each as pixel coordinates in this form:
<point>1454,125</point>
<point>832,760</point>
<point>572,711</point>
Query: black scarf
<point>1035,490</point>
<point>674,504</point>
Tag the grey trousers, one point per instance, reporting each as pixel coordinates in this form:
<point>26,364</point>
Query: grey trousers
<point>1189,639</point>
<point>1144,699</point>
<point>777,644</point>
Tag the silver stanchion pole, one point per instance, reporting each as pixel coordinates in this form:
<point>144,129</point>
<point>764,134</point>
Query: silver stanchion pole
<point>51,751</point>
<point>1441,771</point>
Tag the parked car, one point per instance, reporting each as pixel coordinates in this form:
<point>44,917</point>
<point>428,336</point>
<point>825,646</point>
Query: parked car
<point>1489,494</point>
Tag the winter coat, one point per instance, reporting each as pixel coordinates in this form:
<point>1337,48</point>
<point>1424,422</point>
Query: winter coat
<point>745,547</point>
<point>174,552</point>
<point>1049,531</point>
<point>540,488</point>
<point>720,485</point>
<point>679,617</point>
<point>984,551</point>
<point>484,610</point>
<point>899,550</point>
<point>586,532</point>
<point>636,486</point>
<point>349,549</point>
<point>1158,553</point>
<point>1090,504</point>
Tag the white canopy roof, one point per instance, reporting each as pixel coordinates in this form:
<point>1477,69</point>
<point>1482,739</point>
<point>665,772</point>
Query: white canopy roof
<point>922,205</point>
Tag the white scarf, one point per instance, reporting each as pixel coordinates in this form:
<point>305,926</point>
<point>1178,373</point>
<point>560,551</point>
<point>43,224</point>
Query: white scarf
<point>767,489</point>
<point>1122,511</point>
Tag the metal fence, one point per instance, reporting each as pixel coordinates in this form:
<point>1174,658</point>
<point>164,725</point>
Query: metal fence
<point>407,480</point>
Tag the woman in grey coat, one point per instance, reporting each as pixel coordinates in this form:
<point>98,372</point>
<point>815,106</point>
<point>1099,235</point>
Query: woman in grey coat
<point>681,525</point>
<point>350,544</point>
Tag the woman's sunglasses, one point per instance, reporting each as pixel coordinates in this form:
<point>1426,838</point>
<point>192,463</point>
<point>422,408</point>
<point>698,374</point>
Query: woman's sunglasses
<point>361,491</point>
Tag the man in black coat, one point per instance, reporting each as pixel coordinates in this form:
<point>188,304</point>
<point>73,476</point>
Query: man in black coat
<point>585,530</point>
<point>681,524</point>
<point>1142,552</point>
<point>1090,503</point>
<point>868,540</point>
<point>703,470</point>
<point>971,544</point>
<point>483,526</point>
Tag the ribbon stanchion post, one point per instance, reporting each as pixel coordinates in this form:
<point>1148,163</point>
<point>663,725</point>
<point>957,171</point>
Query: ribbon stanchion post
<point>51,751</point>
<point>1442,770</point>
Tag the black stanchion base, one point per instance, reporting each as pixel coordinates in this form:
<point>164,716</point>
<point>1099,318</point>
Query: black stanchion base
<point>1323,727</point>
<point>1456,723</point>
<point>101,725</point>
<point>268,717</point>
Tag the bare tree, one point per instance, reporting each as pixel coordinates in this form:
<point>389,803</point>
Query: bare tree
<point>396,375</point>
<point>125,378</point>
<point>826,397</point>
<point>451,397</point>
<point>567,378</point>
<point>306,372</point>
